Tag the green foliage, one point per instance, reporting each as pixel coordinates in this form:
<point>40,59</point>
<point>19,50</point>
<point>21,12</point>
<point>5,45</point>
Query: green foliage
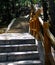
<point>35,1</point>
<point>32,1</point>
<point>54,1</point>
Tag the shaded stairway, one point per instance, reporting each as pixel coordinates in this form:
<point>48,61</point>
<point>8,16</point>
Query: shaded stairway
<point>19,51</point>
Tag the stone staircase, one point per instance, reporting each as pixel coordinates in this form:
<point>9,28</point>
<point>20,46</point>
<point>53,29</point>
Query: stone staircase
<point>19,51</point>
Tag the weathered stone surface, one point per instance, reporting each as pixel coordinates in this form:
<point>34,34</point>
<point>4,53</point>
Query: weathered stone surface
<point>29,62</point>
<point>17,48</point>
<point>16,38</point>
<point>16,56</point>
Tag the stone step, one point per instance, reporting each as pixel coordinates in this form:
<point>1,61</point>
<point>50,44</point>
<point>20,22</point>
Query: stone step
<point>18,48</point>
<point>28,62</point>
<point>16,56</point>
<point>17,41</point>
